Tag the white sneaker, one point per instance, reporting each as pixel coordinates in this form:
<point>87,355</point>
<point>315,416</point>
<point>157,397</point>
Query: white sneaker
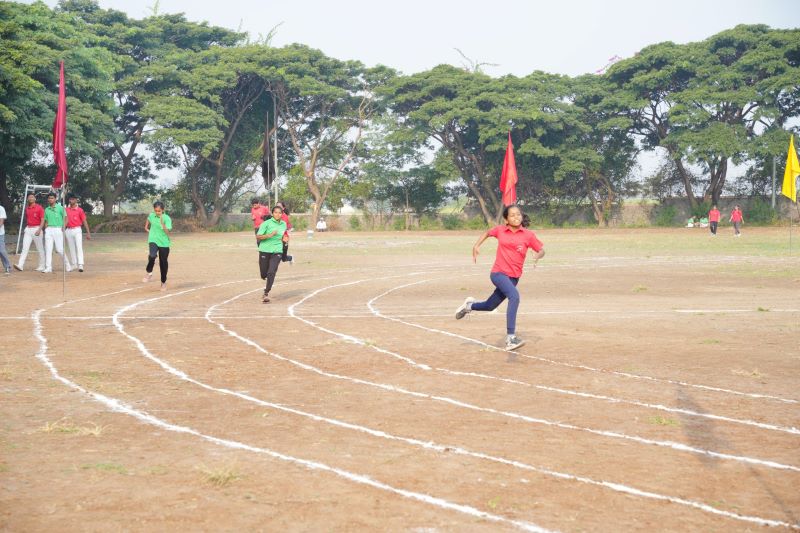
<point>147,278</point>
<point>40,269</point>
<point>513,342</point>
<point>465,308</point>
<point>18,267</point>
<point>163,287</point>
<point>45,271</point>
<point>69,269</point>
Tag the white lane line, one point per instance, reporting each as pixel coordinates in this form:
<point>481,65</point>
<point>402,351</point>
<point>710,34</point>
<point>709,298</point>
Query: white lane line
<point>408,314</point>
<point>441,448</point>
<point>117,406</point>
<point>589,368</point>
<point>350,338</point>
<point>532,420</point>
<point>753,423</point>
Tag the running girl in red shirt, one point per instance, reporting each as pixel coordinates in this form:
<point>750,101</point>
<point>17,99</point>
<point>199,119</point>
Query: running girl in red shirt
<point>513,241</point>
<point>285,239</point>
<point>713,219</point>
<point>738,220</point>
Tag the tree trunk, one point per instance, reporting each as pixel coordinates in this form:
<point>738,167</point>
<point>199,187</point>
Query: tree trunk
<point>197,200</point>
<point>408,211</point>
<point>319,197</point>
<point>719,171</point>
<point>5,197</point>
<point>487,215</point>
<point>687,183</point>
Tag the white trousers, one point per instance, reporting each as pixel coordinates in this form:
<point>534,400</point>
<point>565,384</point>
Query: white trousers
<point>28,237</point>
<point>54,237</point>
<point>75,243</point>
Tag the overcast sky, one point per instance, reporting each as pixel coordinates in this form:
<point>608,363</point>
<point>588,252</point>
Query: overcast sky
<point>559,36</point>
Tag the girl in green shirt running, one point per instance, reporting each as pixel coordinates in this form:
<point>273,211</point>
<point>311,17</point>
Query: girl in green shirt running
<point>158,226</point>
<point>270,248</point>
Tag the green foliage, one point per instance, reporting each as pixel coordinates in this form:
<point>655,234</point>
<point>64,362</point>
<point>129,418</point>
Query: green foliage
<point>399,223</point>
<point>702,209</point>
<point>761,212</point>
<point>429,223</point>
<point>295,193</point>
<point>354,222</point>
<point>452,221</point>
<point>231,227</point>
<point>300,223</point>
<point>201,97</point>
<point>475,223</point>
<point>665,215</point>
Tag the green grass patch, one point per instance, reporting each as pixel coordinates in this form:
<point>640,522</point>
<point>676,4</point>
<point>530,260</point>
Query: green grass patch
<point>663,421</point>
<point>106,467</point>
<point>67,427</point>
<point>220,476</point>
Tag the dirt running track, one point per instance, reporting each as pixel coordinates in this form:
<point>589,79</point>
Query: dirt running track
<point>658,389</point>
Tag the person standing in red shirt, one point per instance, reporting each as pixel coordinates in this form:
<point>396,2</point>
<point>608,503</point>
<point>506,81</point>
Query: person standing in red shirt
<point>513,241</point>
<point>259,213</point>
<point>713,219</point>
<point>738,220</point>
<point>75,219</point>
<point>34,214</point>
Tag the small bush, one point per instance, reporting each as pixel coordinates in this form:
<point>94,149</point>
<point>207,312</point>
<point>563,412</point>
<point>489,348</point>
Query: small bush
<point>428,223</point>
<point>476,223</point>
<point>231,227</point>
<point>399,224</point>
<point>300,223</point>
<point>761,212</point>
<point>452,222</point>
<point>355,223</point>
<point>665,216</point>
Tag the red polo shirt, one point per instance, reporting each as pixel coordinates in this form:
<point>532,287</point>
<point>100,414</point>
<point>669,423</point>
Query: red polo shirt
<point>736,216</point>
<point>259,214</point>
<point>75,217</point>
<point>713,215</point>
<point>34,215</point>
<point>512,247</point>
<point>285,218</point>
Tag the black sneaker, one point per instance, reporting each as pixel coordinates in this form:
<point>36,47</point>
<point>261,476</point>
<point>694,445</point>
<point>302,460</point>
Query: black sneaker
<point>464,309</point>
<point>513,342</point>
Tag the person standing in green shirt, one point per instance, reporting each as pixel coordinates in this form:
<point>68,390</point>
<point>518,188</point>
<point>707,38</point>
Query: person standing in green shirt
<point>55,217</point>
<point>270,248</point>
<point>158,226</point>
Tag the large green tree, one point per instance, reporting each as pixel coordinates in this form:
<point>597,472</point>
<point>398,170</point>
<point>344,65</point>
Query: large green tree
<point>33,39</point>
<point>324,106</point>
<point>137,44</point>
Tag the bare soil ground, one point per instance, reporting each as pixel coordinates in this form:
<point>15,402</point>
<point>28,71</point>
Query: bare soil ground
<point>658,389</point>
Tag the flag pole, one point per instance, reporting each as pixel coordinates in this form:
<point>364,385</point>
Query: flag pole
<point>63,247</point>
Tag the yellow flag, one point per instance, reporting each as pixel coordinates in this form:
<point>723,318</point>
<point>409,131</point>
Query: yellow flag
<point>789,188</point>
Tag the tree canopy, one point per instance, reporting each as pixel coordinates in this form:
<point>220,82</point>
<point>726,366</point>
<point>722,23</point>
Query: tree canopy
<point>165,92</point>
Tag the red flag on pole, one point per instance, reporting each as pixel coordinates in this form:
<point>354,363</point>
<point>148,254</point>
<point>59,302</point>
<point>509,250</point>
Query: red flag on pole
<point>60,134</point>
<point>508,179</point>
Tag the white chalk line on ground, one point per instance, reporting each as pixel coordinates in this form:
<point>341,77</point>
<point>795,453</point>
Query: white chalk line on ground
<point>617,487</point>
<point>610,399</point>
<point>624,314</point>
<point>117,406</point>
<point>589,368</point>
<point>641,440</point>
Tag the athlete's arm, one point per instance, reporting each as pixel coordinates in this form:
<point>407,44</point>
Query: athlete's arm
<point>478,245</point>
